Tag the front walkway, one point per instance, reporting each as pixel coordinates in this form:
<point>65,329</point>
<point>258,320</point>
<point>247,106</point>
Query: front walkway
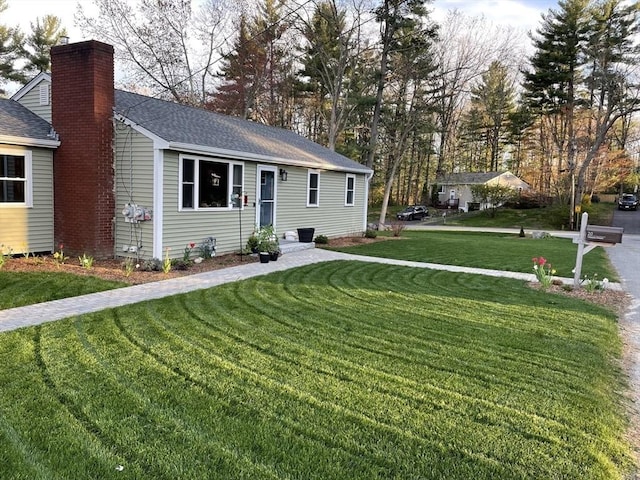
<point>14,318</point>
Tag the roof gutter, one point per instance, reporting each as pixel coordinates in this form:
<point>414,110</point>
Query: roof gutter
<point>29,142</point>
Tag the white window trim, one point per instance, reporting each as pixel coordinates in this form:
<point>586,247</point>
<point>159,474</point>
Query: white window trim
<point>196,183</point>
<point>28,172</point>
<point>346,190</point>
<point>309,173</point>
<point>442,189</point>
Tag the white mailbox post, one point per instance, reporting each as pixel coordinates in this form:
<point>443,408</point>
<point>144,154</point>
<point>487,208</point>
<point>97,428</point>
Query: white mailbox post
<point>590,237</point>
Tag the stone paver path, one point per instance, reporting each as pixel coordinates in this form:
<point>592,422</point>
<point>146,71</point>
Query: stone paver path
<point>13,318</point>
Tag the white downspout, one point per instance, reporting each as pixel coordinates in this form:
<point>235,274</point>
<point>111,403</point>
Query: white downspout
<point>158,200</point>
<point>368,178</point>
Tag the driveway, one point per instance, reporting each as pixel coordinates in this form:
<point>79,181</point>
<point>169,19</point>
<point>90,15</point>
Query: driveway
<point>625,257</point>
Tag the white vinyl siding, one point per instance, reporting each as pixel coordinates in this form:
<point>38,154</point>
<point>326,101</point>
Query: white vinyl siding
<point>134,185</point>
<point>331,218</point>
<point>29,228</point>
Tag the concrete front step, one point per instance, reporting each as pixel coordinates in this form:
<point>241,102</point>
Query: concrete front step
<point>288,246</point>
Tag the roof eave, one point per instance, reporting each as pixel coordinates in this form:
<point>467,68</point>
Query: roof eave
<point>29,142</point>
<point>29,85</point>
<point>237,155</point>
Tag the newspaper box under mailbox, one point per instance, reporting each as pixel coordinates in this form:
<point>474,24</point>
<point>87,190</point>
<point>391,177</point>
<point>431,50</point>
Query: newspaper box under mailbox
<point>600,234</point>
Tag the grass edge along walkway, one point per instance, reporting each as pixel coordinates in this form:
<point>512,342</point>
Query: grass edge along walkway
<point>36,314</point>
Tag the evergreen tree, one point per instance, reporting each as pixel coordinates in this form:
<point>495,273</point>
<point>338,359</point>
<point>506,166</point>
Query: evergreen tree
<point>551,84</point>
<point>45,33</point>
<point>11,46</point>
<point>494,98</point>
<point>242,71</point>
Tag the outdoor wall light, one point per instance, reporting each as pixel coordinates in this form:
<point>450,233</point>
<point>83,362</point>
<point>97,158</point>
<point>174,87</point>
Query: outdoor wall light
<point>283,175</point>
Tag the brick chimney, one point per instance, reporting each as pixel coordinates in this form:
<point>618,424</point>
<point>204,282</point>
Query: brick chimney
<point>82,100</point>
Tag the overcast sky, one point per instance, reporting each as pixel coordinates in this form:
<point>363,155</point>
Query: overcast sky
<point>518,13</point>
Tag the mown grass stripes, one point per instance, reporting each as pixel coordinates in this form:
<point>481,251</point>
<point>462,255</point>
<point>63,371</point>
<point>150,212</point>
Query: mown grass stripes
<point>337,370</point>
<point>497,251</point>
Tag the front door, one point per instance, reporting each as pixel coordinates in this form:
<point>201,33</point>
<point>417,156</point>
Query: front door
<point>266,188</point>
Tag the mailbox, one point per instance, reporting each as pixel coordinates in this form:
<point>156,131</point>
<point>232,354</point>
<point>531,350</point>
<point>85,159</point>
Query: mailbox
<point>600,234</point>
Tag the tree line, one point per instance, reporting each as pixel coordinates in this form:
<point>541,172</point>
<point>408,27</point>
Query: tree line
<point>383,83</point>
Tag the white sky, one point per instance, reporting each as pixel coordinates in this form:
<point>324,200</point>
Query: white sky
<point>522,14</point>
<point>518,13</point>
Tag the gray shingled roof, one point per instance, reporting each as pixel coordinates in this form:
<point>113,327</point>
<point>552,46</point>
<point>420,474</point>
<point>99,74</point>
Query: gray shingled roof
<point>467,178</point>
<point>178,123</point>
<point>19,121</point>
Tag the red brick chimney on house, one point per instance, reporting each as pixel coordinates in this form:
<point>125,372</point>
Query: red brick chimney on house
<point>82,100</point>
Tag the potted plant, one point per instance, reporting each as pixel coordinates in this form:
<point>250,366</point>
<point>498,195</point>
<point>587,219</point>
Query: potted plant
<point>268,243</point>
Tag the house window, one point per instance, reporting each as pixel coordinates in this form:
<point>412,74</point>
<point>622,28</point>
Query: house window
<point>15,179</point>
<point>206,183</point>
<point>441,189</point>
<point>350,191</point>
<point>313,189</point>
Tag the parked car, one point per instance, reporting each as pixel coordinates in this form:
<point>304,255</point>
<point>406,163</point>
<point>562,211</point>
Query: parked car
<point>628,202</point>
<point>413,212</point>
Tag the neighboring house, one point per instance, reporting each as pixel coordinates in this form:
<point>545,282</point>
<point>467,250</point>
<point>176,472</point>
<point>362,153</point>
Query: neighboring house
<point>454,189</point>
<point>27,146</point>
<point>138,174</point>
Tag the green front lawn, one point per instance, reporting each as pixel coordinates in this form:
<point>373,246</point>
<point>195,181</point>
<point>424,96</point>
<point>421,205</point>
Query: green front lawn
<point>18,289</point>
<point>496,251</point>
<point>341,370</point>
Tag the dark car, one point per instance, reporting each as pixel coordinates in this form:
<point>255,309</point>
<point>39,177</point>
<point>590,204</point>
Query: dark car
<point>413,212</point>
<point>628,202</point>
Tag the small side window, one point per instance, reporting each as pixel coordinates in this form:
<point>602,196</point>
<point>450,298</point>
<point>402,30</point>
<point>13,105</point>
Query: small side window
<point>350,191</point>
<point>313,189</point>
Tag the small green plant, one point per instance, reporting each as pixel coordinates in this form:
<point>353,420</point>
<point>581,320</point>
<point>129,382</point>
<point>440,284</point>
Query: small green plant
<point>186,255</point>
<point>208,248</point>
<point>152,265</point>
<point>5,253</point>
<point>543,270</point>
<point>58,256</point>
<point>592,283</point>
<point>267,239</point>
<point>166,263</point>
<point>321,239</point>
<point>370,233</point>
<point>252,243</point>
<point>129,265</point>
<point>86,261</point>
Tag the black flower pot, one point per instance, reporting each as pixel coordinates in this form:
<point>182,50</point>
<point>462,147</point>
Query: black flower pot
<point>305,235</point>
<point>264,257</point>
<point>273,256</point>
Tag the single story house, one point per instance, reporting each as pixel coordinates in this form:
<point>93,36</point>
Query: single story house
<point>454,189</point>
<point>113,173</point>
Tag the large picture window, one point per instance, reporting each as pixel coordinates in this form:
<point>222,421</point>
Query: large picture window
<point>313,189</point>
<point>15,173</point>
<point>206,183</point>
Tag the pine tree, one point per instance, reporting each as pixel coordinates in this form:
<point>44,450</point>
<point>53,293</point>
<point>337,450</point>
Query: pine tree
<point>11,46</point>
<point>45,33</point>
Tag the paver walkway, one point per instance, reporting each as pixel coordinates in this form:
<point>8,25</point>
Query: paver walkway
<point>13,318</point>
